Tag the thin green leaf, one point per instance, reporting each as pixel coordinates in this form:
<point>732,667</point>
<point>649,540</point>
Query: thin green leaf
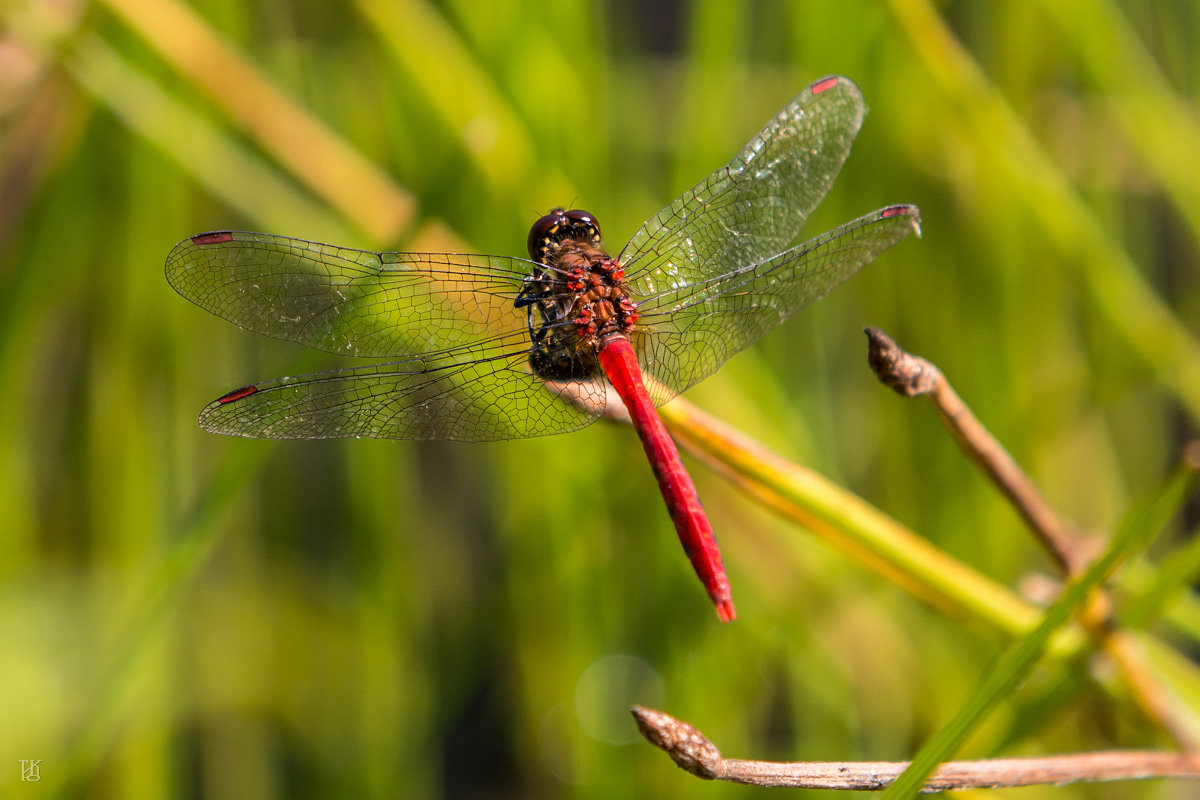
<point>1140,525</point>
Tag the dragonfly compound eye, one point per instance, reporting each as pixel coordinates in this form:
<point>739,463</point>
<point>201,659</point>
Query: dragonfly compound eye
<point>559,225</point>
<point>584,226</point>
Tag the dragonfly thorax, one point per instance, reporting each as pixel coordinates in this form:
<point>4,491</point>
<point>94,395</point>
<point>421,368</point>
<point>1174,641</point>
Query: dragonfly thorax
<point>580,294</point>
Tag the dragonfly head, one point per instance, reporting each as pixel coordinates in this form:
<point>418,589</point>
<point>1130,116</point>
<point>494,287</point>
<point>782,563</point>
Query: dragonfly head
<point>559,225</point>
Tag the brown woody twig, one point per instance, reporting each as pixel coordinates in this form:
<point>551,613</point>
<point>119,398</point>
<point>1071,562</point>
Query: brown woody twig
<point>692,751</point>
<point>912,376</point>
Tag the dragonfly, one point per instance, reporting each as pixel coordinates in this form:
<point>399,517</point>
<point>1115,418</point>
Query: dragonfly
<point>488,347</point>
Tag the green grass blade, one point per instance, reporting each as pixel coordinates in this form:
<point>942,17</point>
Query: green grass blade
<point>1135,533</point>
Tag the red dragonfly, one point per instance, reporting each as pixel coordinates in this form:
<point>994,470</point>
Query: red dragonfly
<point>479,347</point>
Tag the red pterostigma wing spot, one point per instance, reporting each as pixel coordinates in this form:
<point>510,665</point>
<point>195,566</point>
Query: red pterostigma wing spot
<point>213,237</point>
<point>237,394</point>
<point>825,84</point>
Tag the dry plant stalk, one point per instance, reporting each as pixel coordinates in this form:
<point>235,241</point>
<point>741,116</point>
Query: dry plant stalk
<point>695,753</point>
<point>912,376</point>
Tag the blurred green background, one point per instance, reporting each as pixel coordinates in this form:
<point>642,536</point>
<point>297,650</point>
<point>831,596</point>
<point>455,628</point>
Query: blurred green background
<point>185,615</point>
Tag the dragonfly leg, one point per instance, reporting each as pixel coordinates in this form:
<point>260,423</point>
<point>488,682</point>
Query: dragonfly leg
<point>528,297</point>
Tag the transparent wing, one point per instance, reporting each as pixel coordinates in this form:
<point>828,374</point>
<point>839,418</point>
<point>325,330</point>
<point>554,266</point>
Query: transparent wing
<point>724,263</point>
<point>689,331</point>
<point>712,272</point>
<point>754,207</point>
<point>461,348</point>
<point>345,301</point>
<point>475,400</point>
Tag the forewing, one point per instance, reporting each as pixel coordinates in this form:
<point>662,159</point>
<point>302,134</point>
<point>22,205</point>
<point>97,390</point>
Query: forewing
<point>754,207</point>
<point>689,331</point>
<point>346,301</point>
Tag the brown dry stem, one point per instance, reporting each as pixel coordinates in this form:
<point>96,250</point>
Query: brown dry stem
<point>912,376</point>
<point>693,752</point>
